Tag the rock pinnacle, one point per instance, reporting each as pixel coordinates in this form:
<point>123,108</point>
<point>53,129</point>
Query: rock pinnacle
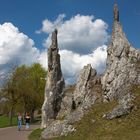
<point>116,12</point>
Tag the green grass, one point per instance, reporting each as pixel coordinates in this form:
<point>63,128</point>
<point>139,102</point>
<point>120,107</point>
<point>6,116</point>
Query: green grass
<point>35,135</point>
<point>4,121</point>
<point>124,128</point>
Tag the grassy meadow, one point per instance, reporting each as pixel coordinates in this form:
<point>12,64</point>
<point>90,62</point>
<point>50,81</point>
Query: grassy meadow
<point>4,121</point>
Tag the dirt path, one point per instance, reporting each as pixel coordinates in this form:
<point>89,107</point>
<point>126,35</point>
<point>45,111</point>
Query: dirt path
<point>11,133</point>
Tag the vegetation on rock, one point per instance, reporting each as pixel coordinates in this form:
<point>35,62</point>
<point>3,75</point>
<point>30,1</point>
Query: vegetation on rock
<point>94,127</point>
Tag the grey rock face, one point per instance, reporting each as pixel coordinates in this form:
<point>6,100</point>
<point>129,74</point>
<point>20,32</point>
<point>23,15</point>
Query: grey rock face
<point>68,103</point>
<point>121,64</point>
<point>57,128</point>
<point>116,12</point>
<point>75,116</point>
<point>75,103</point>
<point>87,91</point>
<point>121,71</point>
<point>54,84</point>
<point>123,108</point>
<point>78,100</point>
<point>83,96</point>
<point>87,87</point>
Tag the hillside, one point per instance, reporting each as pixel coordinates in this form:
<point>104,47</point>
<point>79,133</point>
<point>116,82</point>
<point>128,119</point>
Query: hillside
<point>94,127</point>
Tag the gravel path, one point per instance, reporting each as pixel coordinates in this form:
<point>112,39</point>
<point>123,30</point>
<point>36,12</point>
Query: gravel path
<point>12,133</point>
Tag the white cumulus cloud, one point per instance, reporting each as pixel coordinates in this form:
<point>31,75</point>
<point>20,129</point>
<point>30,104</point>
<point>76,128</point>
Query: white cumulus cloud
<point>16,48</point>
<point>43,59</point>
<point>72,63</point>
<point>80,34</point>
<point>81,40</point>
<point>48,26</point>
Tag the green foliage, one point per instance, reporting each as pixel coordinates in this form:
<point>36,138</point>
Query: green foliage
<point>24,90</point>
<point>4,121</point>
<point>94,127</point>
<point>37,84</point>
<point>31,84</point>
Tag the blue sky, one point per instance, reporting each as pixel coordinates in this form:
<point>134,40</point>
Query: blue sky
<point>27,15</point>
<point>84,29</point>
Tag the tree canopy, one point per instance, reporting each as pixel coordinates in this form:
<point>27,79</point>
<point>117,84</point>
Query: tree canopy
<point>24,89</point>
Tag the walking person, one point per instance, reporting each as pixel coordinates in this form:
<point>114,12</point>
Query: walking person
<point>19,121</point>
<point>27,121</point>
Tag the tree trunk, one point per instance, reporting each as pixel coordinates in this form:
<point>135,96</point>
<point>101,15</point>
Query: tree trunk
<point>11,116</point>
<point>32,115</point>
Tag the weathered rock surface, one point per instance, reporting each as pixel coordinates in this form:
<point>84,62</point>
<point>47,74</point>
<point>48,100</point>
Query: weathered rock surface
<point>75,103</point>
<point>83,95</point>
<point>57,128</point>
<point>75,116</point>
<point>123,108</point>
<point>67,104</point>
<point>54,84</point>
<point>121,71</point>
<point>87,89</point>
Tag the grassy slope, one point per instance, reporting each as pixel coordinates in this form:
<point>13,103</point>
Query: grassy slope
<point>124,128</point>
<point>4,121</point>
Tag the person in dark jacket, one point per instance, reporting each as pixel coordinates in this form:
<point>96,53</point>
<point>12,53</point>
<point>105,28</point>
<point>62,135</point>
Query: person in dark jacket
<point>27,121</point>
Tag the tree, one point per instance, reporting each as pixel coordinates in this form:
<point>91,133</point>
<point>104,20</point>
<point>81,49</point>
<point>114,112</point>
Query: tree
<point>24,89</point>
<point>31,84</point>
<point>9,94</point>
<point>37,82</point>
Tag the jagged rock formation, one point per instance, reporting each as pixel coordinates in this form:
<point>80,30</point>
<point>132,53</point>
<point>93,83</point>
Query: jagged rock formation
<point>54,84</point>
<point>76,103</point>
<point>88,87</point>
<point>86,92</point>
<point>121,70</point>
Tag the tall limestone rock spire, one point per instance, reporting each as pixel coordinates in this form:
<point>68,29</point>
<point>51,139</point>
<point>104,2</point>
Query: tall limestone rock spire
<point>116,12</point>
<point>121,71</point>
<point>119,45</point>
<point>54,84</point>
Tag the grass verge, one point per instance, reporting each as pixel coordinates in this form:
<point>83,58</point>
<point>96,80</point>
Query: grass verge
<point>94,127</point>
<point>35,135</point>
<point>4,121</point>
